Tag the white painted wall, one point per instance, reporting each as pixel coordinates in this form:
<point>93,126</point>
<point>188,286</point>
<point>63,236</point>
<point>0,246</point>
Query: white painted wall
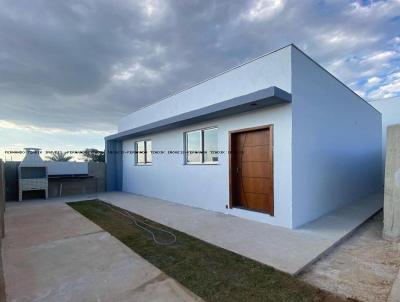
<point>271,70</point>
<point>63,168</point>
<point>390,109</point>
<point>207,186</point>
<point>336,143</point>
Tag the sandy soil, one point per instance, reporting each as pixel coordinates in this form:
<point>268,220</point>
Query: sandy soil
<point>363,267</point>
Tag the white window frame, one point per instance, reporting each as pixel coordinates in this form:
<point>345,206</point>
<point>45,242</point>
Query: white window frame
<point>202,162</point>
<point>145,163</point>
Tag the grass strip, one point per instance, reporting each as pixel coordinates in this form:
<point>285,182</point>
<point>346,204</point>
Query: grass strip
<point>211,272</point>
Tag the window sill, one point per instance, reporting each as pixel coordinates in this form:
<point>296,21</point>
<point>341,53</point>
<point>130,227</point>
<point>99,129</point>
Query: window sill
<point>202,164</point>
<point>143,165</point>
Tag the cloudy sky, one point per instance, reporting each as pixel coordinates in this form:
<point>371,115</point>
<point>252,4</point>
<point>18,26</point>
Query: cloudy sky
<point>70,69</point>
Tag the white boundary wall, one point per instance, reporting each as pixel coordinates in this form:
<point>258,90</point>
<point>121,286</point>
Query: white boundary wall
<point>66,168</point>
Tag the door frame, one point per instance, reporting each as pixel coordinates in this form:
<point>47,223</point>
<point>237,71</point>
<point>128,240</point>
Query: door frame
<point>271,150</point>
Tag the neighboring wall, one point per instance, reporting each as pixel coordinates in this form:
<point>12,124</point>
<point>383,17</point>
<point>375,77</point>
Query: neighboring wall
<point>207,186</point>
<point>2,199</point>
<point>2,233</point>
<point>390,109</point>
<point>336,142</point>
<point>98,170</point>
<point>11,178</point>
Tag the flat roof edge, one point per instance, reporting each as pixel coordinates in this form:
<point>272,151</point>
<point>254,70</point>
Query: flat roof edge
<point>334,77</point>
<point>213,77</point>
<point>248,102</point>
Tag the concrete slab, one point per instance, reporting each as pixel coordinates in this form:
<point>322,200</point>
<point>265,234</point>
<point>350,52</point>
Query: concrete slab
<point>76,261</point>
<point>287,250</point>
<point>35,223</point>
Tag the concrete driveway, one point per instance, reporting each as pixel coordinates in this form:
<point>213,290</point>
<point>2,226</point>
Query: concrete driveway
<point>52,253</point>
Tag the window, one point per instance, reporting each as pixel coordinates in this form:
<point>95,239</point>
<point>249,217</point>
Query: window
<point>143,153</point>
<point>210,145</point>
<point>193,147</point>
<point>202,146</point>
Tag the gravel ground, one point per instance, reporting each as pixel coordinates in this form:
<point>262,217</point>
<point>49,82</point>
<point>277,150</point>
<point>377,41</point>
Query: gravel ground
<point>363,267</point>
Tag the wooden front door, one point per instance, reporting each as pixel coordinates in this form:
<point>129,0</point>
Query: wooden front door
<point>251,169</point>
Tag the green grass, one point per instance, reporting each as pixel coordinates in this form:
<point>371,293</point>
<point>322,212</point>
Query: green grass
<point>212,273</point>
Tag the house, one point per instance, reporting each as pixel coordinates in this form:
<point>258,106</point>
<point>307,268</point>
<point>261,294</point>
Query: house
<point>390,110</point>
<point>277,139</point>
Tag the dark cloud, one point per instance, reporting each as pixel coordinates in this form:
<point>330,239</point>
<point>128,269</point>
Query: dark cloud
<point>85,64</point>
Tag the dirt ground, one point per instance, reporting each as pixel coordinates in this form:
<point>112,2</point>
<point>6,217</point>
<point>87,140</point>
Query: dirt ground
<point>363,267</point>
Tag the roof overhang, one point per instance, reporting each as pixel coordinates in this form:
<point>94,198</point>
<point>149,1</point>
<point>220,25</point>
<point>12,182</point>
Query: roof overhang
<point>256,100</point>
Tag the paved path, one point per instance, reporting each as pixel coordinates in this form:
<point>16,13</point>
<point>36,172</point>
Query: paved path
<point>287,250</point>
<point>52,253</point>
